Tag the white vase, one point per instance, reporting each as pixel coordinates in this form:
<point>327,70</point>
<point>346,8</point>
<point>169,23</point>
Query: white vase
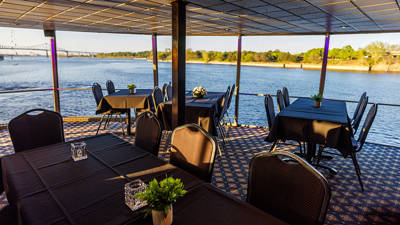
<point>159,217</point>
<point>317,104</point>
<point>132,91</point>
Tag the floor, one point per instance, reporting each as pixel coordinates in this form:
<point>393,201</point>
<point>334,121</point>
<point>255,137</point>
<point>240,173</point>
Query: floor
<point>380,165</point>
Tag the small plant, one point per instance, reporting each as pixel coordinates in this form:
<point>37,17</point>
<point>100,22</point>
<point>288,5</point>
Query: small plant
<point>131,86</point>
<point>160,195</point>
<point>317,98</point>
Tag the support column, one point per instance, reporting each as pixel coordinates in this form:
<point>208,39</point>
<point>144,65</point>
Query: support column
<point>155,59</point>
<point>324,64</point>
<point>54,64</point>
<point>178,62</point>
<point>239,60</point>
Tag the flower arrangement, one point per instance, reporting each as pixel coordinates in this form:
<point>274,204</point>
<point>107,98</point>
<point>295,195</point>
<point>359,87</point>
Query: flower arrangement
<point>160,196</point>
<point>317,100</point>
<point>199,92</point>
<point>131,88</point>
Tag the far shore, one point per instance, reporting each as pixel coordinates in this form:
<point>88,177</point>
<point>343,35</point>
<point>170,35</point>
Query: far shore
<point>380,68</point>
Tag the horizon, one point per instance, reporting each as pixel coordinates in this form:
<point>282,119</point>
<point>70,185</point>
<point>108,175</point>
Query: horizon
<point>105,42</point>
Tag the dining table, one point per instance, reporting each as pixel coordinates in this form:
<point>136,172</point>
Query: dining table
<point>48,187</point>
<point>202,111</point>
<point>124,100</point>
<point>328,125</point>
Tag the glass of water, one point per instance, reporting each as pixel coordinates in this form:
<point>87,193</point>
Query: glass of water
<point>78,151</point>
<point>131,189</point>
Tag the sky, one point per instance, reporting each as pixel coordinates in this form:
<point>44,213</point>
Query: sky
<point>101,42</point>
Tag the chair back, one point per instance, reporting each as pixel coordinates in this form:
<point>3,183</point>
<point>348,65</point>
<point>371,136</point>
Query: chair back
<point>110,87</point>
<point>157,97</point>
<point>285,93</point>
<point>367,126</point>
<point>224,103</point>
<point>36,128</point>
<point>230,97</point>
<point>193,150</point>
<point>169,92</point>
<point>361,110</point>
<point>164,90</point>
<point>280,100</point>
<point>270,110</point>
<point>148,132</point>
<point>291,190</point>
<point>358,105</point>
<point>97,93</point>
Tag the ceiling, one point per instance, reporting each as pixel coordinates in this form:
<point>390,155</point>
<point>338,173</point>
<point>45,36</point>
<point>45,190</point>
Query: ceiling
<point>206,17</point>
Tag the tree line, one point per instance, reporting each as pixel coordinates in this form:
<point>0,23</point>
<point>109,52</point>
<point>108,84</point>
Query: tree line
<point>372,54</point>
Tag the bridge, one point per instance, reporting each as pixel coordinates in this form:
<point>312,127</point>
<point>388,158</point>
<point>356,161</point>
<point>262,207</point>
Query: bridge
<point>46,48</point>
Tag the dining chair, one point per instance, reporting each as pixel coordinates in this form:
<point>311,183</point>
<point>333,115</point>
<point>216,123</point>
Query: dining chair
<point>157,97</point>
<point>229,104</point>
<point>280,100</point>
<point>164,90</point>
<point>220,116</point>
<point>169,92</point>
<point>36,128</point>
<point>363,95</point>
<point>291,190</point>
<point>148,132</point>
<point>194,150</point>
<point>359,143</point>
<point>8,215</point>
<point>285,93</point>
<point>355,123</point>
<point>110,87</point>
<point>106,116</point>
<point>270,112</point>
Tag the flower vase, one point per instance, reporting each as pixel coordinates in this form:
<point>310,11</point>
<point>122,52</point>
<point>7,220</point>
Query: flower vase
<point>132,91</point>
<point>198,96</point>
<point>317,104</point>
<point>159,217</point>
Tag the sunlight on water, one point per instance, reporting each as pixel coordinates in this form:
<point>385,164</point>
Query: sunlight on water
<point>35,72</point>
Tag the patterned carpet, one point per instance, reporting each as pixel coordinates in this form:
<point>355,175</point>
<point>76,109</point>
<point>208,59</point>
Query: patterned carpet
<point>380,166</point>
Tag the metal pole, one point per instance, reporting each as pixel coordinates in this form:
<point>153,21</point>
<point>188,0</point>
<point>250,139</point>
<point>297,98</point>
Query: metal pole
<point>239,59</point>
<point>324,64</point>
<point>54,64</point>
<point>178,62</point>
<point>155,60</point>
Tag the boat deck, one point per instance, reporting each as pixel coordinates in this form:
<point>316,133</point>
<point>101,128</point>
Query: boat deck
<point>380,167</point>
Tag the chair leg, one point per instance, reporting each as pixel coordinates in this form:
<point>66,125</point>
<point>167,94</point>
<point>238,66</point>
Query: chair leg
<point>222,133</point>
<point>227,115</point>
<point>101,121</point>
<point>321,148</point>
<point>273,147</point>
<point>358,171</point>
<point>122,124</point>
<point>107,120</point>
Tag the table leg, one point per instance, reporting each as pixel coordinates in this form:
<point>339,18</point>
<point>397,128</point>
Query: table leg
<point>128,121</point>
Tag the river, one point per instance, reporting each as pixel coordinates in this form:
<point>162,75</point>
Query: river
<point>35,72</point>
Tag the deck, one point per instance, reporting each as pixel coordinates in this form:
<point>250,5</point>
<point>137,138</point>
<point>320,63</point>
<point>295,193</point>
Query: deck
<point>380,166</point>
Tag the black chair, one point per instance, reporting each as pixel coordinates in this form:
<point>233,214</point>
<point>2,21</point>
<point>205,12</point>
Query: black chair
<point>164,90</point>
<point>110,87</point>
<point>148,132</point>
<point>98,96</point>
<point>36,128</point>
<point>193,150</point>
<point>359,112</point>
<point>9,215</point>
<point>157,97</point>
<point>270,112</point>
<point>291,190</point>
<point>229,104</point>
<point>280,100</point>
<point>169,92</point>
<point>359,143</point>
<point>285,93</point>
<point>220,116</point>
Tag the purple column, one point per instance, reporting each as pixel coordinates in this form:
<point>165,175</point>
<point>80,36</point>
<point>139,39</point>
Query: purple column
<point>155,60</point>
<point>324,64</point>
<point>54,65</point>
<point>239,61</point>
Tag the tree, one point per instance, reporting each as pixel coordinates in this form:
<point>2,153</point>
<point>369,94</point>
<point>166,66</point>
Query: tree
<point>375,52</point>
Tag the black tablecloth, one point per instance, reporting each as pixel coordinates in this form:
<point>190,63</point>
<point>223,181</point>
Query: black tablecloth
<point>123,100</point>
<point>50,188</point>
<point>328,125</point>
<point>200,111</point>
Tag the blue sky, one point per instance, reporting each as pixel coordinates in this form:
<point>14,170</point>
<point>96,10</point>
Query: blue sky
<point>100,42</point>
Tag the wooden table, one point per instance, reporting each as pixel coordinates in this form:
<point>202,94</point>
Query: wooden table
<point>48,187</point>
<point>122,99</point>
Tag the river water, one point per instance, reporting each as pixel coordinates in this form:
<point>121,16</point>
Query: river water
<point>35,72</point>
